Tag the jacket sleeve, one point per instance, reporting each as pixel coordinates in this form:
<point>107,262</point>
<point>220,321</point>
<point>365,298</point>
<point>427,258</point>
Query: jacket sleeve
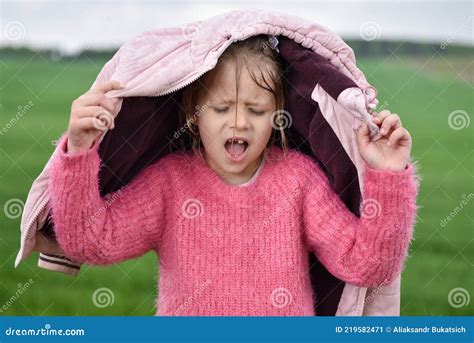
<point>368,251</point>
<point>103,230</point>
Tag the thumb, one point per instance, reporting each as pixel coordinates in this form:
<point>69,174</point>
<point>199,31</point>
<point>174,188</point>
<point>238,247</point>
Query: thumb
<point>362,135</point>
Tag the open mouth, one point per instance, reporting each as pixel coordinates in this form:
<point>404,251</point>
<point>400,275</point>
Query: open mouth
<point>236,148</point>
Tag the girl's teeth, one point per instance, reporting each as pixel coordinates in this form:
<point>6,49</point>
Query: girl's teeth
<point>238,141</point>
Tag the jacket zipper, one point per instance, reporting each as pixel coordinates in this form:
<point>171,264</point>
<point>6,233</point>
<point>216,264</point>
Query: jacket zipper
<point>29,227</point>
<point>226,43</point>
<point>180,86</point>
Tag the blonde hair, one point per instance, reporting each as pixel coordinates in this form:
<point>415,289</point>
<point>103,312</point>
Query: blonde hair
<point>254,49</point>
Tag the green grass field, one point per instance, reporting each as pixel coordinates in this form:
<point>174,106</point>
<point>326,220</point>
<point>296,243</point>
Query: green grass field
<point>423,91</point>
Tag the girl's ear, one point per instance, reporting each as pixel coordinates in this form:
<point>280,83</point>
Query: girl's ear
<point>192,124</point>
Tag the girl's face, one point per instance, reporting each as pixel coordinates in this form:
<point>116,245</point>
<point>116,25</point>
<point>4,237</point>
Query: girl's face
<point>235,130</point>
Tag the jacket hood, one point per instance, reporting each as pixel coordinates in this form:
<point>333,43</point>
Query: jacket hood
<point>180,55</point>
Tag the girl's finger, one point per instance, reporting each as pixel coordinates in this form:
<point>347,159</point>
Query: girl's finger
<point>398,136</point>
<point>362,135</point>
<point>88,123</point>
<point>382,115</point>
<point>106,86</point>
<point>390,122</point>
<point>95,99</point>
<point>88,111</point>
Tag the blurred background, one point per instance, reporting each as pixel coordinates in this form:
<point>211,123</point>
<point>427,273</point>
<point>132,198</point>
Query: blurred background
<point>419,55</point>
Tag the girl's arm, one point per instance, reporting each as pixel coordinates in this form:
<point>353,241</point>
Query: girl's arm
<point>367,251</point>
<point>95,230</point>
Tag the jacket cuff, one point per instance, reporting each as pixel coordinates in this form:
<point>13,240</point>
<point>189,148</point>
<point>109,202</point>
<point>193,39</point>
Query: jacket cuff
<point>58,263</point>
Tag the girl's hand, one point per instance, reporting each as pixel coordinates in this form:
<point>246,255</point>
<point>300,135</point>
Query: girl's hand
<point>392,151</point>
<point>90,116</point>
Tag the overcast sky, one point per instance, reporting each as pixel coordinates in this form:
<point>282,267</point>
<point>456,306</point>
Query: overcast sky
<point>70,25</point>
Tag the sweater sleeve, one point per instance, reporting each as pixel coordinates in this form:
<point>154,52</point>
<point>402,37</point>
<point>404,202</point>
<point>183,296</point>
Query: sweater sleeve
<point>103,230</point>
<point>368,251</point>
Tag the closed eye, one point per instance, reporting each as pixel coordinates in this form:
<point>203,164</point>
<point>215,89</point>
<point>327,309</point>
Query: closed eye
<point>254,111</point>
<point>220,109</point>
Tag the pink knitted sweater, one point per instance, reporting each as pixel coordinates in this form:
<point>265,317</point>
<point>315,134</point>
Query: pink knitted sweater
<point>234,250</point>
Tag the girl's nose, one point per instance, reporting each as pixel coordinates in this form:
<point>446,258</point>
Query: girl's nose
<point>239,120</point>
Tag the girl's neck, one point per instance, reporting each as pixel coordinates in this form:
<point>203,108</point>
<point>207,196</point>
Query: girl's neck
<point>241,178</point>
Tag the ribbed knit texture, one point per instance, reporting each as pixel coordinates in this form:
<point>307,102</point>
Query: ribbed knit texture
<point>234,250</point>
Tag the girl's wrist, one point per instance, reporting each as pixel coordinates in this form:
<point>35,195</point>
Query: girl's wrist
<point>392,168</point>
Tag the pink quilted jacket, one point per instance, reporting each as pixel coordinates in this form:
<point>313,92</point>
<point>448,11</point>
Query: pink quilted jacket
<point>156,65</point>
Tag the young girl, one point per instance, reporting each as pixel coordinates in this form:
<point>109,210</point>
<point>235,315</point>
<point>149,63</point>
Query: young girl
<point>233,220</point>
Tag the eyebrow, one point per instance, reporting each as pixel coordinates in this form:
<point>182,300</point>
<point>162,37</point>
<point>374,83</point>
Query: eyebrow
<point>247,103</point>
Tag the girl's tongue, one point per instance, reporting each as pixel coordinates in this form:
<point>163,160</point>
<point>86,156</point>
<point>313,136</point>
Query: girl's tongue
<point>235,148</point>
